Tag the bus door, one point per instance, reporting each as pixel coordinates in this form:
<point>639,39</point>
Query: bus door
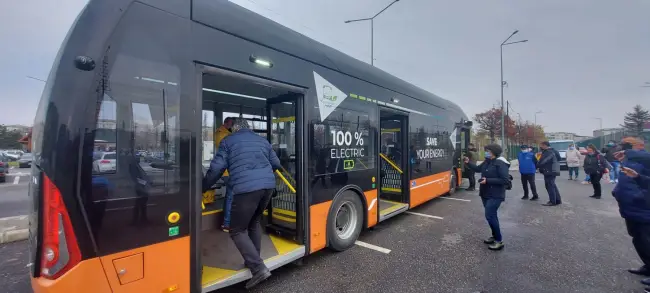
<point>393,157</point>
<point>463,135</point>
<point>283,134</point>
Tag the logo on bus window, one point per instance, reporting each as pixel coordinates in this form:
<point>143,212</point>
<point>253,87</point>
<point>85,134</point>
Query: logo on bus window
<point>329,97</point>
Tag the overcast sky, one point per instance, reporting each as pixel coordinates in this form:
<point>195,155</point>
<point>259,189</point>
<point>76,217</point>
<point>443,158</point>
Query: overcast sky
<point>584,58</point>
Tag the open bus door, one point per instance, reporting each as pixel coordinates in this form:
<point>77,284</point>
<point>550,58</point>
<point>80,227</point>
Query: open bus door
<point>463,139</point>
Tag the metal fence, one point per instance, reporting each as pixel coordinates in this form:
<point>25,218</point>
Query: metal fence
<point>600,141</point>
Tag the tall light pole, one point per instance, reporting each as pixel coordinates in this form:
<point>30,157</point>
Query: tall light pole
<point>535,126</point>
<point>503,130</point>
<point>372,31</point>
<point>602,136</point>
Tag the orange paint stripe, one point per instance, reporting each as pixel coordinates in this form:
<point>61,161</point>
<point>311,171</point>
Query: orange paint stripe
<point>318,225</point>
<point>373,206</point>
<point>429,187</point>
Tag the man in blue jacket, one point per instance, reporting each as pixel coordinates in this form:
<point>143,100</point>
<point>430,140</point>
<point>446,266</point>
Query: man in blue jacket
<point>633,196</point>
<point>250,160</point>
<point>527,163</point>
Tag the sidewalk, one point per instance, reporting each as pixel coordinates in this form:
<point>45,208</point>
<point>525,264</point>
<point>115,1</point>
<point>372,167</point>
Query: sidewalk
<point>14,229</point>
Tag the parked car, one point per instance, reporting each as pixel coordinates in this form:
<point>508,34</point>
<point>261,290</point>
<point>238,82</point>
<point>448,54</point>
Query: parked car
<point>25,161</point>
<point>104,162</point>
<point>14,154</point>
<point>4,167</point>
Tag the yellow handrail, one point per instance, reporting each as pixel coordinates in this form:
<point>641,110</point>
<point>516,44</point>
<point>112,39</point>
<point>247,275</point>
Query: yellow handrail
<point>391,163</point>
<point>285,181</point>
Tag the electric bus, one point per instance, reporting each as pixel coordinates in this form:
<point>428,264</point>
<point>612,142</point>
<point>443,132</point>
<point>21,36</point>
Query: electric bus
<point>149,82</point>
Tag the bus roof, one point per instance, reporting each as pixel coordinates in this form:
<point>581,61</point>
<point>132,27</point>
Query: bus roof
<point>256,28</point>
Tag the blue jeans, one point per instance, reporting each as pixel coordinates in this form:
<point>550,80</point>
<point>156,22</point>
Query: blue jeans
<point>227,204</point>
<point>553,192</point>
<point>587,178</point>
<point>575,170</point>
<point>613,174</point>
<point>491,206</point>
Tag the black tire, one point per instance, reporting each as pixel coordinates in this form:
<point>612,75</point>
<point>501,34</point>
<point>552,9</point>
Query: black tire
<point>3,179</point>
<point>343,237</point>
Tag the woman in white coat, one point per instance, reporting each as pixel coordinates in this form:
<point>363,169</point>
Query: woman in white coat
<point>574,160</point>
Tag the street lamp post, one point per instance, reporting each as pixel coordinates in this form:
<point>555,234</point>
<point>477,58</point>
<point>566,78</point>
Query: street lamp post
<point>505,43</point>
<point>602,136</point>
<point>372,31</point>
<point>535,126</point>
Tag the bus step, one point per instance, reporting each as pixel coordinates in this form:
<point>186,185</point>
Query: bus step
<point>281,231</point>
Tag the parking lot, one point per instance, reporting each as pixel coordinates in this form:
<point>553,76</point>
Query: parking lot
<point>13,193</point>
<point>580,246</point>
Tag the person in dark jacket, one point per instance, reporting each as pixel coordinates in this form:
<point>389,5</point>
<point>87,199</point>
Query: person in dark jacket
<point>250,160</point>
<point>471,175</point>
<point>609,152</point>
<point>633,199</point>
<point>549,166</point>
<point>494,178</point>
<point>527,162</point>
<point>596,166</point>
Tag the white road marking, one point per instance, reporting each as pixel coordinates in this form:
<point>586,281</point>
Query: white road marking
<point>424,215</point>
<point>453,198</point>
<point>16,179</point>
<point>373,247</point>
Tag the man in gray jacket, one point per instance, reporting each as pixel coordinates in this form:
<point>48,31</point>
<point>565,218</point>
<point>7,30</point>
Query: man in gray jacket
<point>549,166</point>
<point>250,160</point>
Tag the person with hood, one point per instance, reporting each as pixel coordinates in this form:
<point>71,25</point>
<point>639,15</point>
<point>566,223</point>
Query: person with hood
<point>633,199</point>
<point>251,161</point>
<point>473,156</point>
<point>549,166</point>
<point>596,166</point>
<point>616,165</point>
<point>573,161</point>
<point>493,185</point>
<point>527,162</point>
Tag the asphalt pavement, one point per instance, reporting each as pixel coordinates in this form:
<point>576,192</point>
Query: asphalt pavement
<point>580,246</point>
<point>13,193</point>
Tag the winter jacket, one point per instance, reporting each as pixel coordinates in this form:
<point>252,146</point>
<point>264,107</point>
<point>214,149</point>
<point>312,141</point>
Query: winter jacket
<point>609,153</point>
<point>527,162</point>
<point>496,173</point>
<point>630,192</point>
<point>473,156</point>
<point>595,163</point>
<point>573,158</point>
<point>250,159</point>
<point>219,135</point>
<point>548,164</point>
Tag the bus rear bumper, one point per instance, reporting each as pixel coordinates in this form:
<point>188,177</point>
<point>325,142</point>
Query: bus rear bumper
<point>87,276</point>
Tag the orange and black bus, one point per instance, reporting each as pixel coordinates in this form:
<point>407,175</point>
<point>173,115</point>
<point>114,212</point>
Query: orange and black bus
<point>126,123</point>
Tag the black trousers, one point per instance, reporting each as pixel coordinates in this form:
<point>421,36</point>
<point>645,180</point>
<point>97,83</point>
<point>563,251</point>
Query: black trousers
<point>471,175</point>
<point>529,179</point>
<point>595,181</point>
<point>553,192</point>
<point>245,214</point>
<point>640,233</point>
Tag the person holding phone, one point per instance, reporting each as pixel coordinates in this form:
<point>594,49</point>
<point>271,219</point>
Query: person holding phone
<point>633,199</point>
<point>493,184</point>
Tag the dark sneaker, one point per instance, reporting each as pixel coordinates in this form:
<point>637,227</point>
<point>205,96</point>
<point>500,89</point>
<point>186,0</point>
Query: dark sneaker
<point>647,290</point>
<point>489,240</point>
<point>548,204</point>
<point>534,198</point>
<point>497,245</point>
<point>594,196</point>
<point>642,271</point>
<point>525,197</point>
<point>470,189</point>
<point>258,278</point>
<point>646,282</point>
<point>570,178</point>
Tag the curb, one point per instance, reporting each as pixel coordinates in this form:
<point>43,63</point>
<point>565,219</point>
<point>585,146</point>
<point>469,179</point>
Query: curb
<point>14,229</point>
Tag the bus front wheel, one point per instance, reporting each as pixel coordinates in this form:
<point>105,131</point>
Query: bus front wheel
<point>344,221</point>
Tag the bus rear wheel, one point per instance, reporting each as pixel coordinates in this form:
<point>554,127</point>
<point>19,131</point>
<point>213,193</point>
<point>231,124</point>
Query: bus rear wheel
<point>344,221</point>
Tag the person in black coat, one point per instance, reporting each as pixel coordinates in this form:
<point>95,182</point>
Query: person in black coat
<point>596,166</point>
<point>492,190</point>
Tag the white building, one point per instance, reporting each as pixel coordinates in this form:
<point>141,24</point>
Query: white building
<point>565,136</point>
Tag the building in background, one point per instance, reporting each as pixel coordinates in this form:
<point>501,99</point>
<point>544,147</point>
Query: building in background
<point>606,131</point>
<point>566,136</point>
